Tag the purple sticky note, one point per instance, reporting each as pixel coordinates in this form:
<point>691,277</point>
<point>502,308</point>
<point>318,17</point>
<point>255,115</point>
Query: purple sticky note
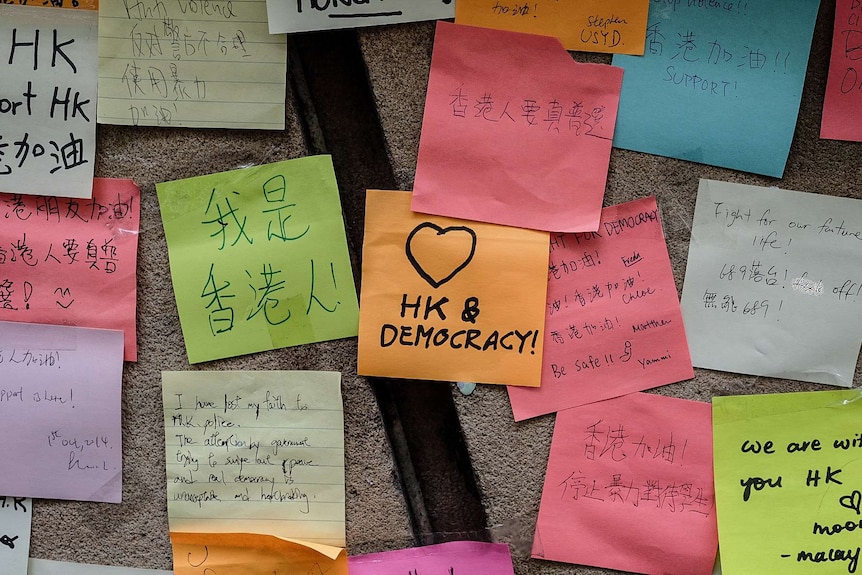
<point>444,559</point>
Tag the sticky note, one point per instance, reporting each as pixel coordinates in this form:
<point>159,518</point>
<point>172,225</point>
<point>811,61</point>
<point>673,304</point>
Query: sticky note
<point>47,567</point>
<point>311,15</point>
<point>191,63</point>
<point>786,482</point>
<point>72,261</point>
<point>842,119</point>
<point>16,514</point>
<point>442,559</point>
<point>613,323</point>
<point>730,73</point>
<point>259,258</point>
<point>79,4</point>
<point>60,398</point>
<point>48,102</point>
<point>449,299</point>
<point>514,131</point>
<point>772,283</point>
<point>629,486</point>
<point>616,26</point>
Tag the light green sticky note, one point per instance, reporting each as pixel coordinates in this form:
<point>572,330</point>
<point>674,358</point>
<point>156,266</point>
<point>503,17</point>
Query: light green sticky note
<point>259,258</point>
<point>788,482</point>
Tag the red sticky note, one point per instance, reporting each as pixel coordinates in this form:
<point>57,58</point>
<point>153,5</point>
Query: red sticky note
<point>629,486</point>
<point>72,261</point>
<point>515,132</point>
<point>842,107</point>
<point>613,324</point>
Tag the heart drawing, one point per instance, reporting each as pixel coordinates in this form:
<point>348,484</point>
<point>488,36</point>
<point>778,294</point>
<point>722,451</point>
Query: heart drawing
<point>852,501</point>
<point>438,254</point>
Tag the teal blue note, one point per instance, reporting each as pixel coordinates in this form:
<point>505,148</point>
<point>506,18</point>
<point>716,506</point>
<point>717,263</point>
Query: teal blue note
<point>719,83</point>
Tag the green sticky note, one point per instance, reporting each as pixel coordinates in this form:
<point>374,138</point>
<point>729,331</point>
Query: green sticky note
<point>788,482</point>
<point>259,258</point>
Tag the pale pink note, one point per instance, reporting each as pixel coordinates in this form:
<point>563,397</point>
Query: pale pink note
<point>60,409</point>
<point>613,324</point>
<point>842,106</point>
<point>515,132</point>
<point>629,486</point>
<point>72,261</point>
<point>457,557</point>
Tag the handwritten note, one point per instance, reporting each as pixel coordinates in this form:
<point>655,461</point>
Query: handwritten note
<point>842,119</point>
<point>629,486</point>
<point>311,15</point>
<point>60,401</point>
<point>48,101</point>
<point>259,258</point>
<point>456,557</point>
<point>80,4</point>
<point>15,516</point>
<point>772,283</point>
<point>430,308</point>
<point>613,322</point>
<point>593,26</point>
<point>46,567</point>
<point>515,132</point>
<point>787,482</point>
<point>730,72</point>
<point>195,63</point>
<point>72,262</point>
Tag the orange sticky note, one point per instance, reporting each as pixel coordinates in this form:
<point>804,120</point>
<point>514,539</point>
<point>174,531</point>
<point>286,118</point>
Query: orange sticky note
<point>613,322</point>
<point>842,106</point>
<point>629,486</point>
<point>614,26</point>
<point>447,299</point>
<point>515,132</point>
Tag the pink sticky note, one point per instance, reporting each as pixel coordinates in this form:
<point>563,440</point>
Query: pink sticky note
<point>72,261</point>
<point>443,559</point>
<point>515,132</point>
<point>613,323</point>
<point>842,107</point>
<point>60,400</point>
<point>629,486</point>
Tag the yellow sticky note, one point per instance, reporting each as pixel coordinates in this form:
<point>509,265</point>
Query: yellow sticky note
<point>787,482</point>
<point>447,299</point>
<point>613,26</point>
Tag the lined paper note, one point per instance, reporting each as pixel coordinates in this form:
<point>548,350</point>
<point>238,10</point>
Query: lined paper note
<point>193,63</point>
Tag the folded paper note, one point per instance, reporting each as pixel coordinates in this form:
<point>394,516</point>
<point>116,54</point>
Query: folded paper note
<point>48,135</point>
<point>46,567</point>
<point>60,398</point>
<point>617,26</point>
<point>72,261</point>
<point>259,258</point>
<point>311,15</point>
<point>613,323</point>
<point>15,517</point>
<point>629,487</point>
<point>842,106</point>
<point>444,559</point>
<point>729,72</point>
<point>515,132</point>
<point>772,283</point>
<point>193,63</point>
<point>450,299</point>
<point>787,482</point>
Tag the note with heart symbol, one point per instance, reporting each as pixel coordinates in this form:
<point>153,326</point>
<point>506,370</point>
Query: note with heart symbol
<point>450,300</point>
<point>852,501</point>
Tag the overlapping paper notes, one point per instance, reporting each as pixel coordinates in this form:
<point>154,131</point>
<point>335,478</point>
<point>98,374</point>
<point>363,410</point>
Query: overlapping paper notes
<point>613,323</point>
<point>47,567</point>
<point>449,299</point>
<point>515,132</point>
<point>311,15</point>
<point>772,285</point>
<point>629,486</point>
<point>48,100</point>
<point>72,261</point>
<point>594,26</point>
<point>842,106</point>
<point>16,514</point>
<point>194,63</point>
<point>719,82</point>
<point>60,401</point>
<point>787,485</point>
<point>255,471</point>
<point>445,558</point>
<point>259,258</point>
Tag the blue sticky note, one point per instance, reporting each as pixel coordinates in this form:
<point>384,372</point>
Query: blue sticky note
<point>719,83</point>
